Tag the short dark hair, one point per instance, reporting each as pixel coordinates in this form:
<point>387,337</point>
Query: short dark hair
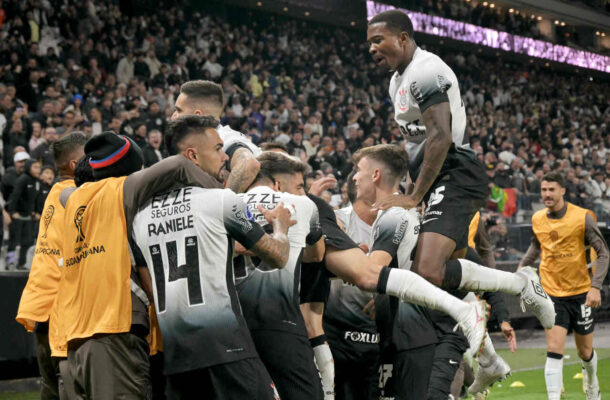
<point>394,20</point>
<point>65,146</point>
<point>186,125</point>
<point>274,163</point>
<point>201,90</point>
<point>392,156</point>
<point>554,177</point>
<point>83,172</point>
<point>268,146</point>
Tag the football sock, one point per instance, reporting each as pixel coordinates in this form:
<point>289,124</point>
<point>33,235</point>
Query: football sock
<point>590,368</point>
<point>477,278</point>
<point>324,361</point>
<point>553,375</point>
<point>412,288</point>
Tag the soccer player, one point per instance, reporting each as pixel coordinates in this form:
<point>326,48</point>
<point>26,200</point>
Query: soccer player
<point>353,335</point>
<point>561,234</point>
<point>207,98</point>
<point>36,308</point>
<point>380,170</point>
<point>186,236</point>
<point>270,297</point>
<point>101,313</point>
<point>443,169</point>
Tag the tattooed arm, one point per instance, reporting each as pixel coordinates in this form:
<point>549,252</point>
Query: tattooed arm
<point>244,168</point>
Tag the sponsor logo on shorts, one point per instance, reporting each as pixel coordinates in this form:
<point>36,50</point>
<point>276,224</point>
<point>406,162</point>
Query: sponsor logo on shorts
<point>361,337</point>
<point>453,362</point>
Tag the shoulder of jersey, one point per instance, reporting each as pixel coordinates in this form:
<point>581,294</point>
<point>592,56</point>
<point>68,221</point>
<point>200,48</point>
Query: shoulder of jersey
<point>539,214</point>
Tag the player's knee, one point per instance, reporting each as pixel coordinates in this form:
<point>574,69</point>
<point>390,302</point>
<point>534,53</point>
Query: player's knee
<point>584,352</point>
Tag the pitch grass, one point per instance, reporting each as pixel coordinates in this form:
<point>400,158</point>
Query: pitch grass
<point>535,388</point>
<point>530,360</point>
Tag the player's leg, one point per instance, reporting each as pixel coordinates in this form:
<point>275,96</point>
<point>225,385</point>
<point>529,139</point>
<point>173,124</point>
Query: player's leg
<point>354,266</point>
<point>47,365</point>
<point>411,372</point>
<point>289,359</point>
<point>583,324</point>
<point>66,382</point>
<point>184,385</point>
<point>447,360</point>
<point>553,369</point>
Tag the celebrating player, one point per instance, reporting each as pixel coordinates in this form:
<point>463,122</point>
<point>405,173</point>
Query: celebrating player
<point>444,170</point>
<point>561,234</point>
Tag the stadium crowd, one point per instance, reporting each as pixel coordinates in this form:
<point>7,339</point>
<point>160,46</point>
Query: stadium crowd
<point>89,66</point>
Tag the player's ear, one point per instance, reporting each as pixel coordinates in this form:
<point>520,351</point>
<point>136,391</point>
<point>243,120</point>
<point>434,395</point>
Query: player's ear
<point>376,175</point>
<point>277,186</point>
<point>192,155</point>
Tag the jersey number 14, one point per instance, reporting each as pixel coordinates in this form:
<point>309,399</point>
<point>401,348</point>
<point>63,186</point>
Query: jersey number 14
<point>188,271</point>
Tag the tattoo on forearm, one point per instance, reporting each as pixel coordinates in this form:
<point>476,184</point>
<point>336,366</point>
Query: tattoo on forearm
<point>273,249</point>
<point>241,174</point>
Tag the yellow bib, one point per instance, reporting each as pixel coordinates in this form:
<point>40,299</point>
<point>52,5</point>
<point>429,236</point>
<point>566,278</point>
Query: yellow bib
<point>563,264</point>
<point>95,295</point>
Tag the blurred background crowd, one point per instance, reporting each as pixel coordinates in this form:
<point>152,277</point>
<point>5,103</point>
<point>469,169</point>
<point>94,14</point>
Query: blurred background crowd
<point>89,66</point>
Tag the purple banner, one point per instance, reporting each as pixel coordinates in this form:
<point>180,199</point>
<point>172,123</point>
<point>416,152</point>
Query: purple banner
<point>498,40</point>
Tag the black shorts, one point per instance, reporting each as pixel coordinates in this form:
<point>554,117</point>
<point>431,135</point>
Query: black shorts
<point>573,315</point>
<point>315,283</point>
<point>290,361</point>
<point>447,360</point>
<point>454,199</point>
<point>243,379</point>
<point>411,374</point>
<point>356,379</point>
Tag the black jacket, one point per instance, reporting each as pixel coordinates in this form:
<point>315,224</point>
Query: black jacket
<point>150,157</point>
<point>24,196</point>
<point>8,183</point>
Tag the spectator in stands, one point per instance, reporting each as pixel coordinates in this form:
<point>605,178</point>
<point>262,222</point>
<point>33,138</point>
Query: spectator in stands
<point>153,151</point>
<point>22,208</point>
<point>43,152</point>
<point>36,137</point>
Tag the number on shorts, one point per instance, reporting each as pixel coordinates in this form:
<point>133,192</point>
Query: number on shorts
<point>190,270</point>
<point>585,311</point>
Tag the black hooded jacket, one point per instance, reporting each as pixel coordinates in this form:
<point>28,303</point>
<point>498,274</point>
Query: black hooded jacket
<point>23,198</point>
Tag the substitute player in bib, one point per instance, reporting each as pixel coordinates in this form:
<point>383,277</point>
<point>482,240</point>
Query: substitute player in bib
<point>36,308</point>
<point>270,297</point>
<point>444,170</point>
<point>561,232</point>
<point>102,314</point>
<point>186,236</point>
<point>207,98</point>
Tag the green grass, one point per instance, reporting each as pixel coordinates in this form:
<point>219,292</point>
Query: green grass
<point>533,380</point>
<point>20,396</point>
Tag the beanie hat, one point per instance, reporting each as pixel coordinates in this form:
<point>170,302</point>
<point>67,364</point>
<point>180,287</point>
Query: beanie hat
<point>112,155</point>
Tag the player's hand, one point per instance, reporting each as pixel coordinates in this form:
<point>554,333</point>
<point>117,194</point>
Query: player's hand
<point>369,309</point>
<point>279,214</point>
<point>396,200</point>
<point>594,298</point>
<point>509,334</point>
<point>322,184</point>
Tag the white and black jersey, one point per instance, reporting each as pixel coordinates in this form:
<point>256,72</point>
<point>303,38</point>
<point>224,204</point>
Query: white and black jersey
<point>270,297</point>
<point>343,316</point>
<point>233,140</point>
<point>395,231</point>
<point>186,237</point>
<point>427,81</point>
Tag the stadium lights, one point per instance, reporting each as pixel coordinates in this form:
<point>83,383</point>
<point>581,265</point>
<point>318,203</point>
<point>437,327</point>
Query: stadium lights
<point>490,38</point>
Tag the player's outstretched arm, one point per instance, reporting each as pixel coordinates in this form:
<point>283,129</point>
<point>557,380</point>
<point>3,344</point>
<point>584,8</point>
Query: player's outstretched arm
<point>244,168</point>
<point>596,239</point>
<point>532,253</point>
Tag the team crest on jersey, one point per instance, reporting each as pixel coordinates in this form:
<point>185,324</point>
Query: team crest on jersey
<point>554,236</point>
<point>48,216</point>
<point>78,222</point>
<point>402,101</point>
